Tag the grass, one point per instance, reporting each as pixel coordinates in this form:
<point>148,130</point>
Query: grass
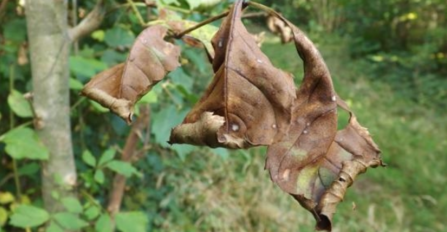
<point>214,193</point>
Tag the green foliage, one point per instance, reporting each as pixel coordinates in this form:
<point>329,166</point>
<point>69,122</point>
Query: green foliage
<point>124,168</point>
<point>23,143</point>
<point>69,221</point>
<point>131,222</point>
<point>19,105</point>
<point>28,216</point>
<point>72,205</point>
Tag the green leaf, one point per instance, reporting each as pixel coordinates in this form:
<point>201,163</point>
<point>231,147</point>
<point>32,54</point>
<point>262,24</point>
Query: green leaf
<point>29,169</point>
<point>54,227</point>
<point>75,84</point>
<point>69,221</point>
<point>98,35</point>
<point>163,121</point>
<point>86,67</point>
<point>97,107</point>
<point>6,198</point>
<point>88,158</point>
<point>23,143</point>
<point>104,224</point>
<point>106,156</point>
<point>123,168</point>
<point>15,30</point>
<point>119,36</point>
<point>92,212</point>
<point>72,204</point>
<point>131,222</point>
<point>112,57</point>
<point>150,97</point>
<point>28,216</point>
<point>3,216</point>
<point>99,176</point>
<point>19,105</point>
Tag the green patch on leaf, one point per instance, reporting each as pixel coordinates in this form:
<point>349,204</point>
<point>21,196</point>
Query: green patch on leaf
<point>19,105</point>
<point>104,224</point>
<point>54,227</point>
<point>23,143</point>
<point>72,204</point>
<point>99,176</point>
<point>25,216</point>
<point>107,156</point>
<point>88,158</point>
<point>86,67</point>
<point>124,168</point>
<point>119,37</point>
<point>70,221</point>
<point>92,212</point>
<point>131,222</point>
<point>3,216</point>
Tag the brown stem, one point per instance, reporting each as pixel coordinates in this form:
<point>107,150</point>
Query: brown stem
<point>3,8</point>
<point>119,182</point>
<point>89,23</point>
<point>201,24</point>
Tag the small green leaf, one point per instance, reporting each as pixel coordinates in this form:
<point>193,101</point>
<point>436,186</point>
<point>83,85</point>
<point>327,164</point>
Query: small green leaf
<point>23,143</point>
<point>75,84</point>
<point>92,212</point>
<point>29,169</point>
<point>6,197</point>
<point>131,222</point>
<point>19,105</point>
<point>104,224</point>
<point>54,227</point>
<point>86,67</point>
<point>88,158</point>
<point>124,168</point>
<point>150,97</point>
<point>28,216</point>
<point>99,176</point>
<point>3,216</point>
<point>69,221</point>
<point>98,35</point>
<point>106,156</point>
<point>119,36</point>
<point>97,107</point>
<point>72,204</point>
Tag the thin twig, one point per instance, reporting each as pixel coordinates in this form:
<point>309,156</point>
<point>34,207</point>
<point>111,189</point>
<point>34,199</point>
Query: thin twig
<point>119,181</point>
<point>89,23</point>
<point>201,24</point>
<point>137,13</point>
<point>3,8</point>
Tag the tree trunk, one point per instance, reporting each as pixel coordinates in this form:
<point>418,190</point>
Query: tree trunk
<point>49,48</point>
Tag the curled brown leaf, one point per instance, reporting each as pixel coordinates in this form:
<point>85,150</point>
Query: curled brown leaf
<point>253,97</point>
<point>314,163</point>
<point>121,86</point>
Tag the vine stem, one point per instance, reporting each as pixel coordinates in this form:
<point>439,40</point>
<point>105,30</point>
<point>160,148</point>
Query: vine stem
<point>11,126</point>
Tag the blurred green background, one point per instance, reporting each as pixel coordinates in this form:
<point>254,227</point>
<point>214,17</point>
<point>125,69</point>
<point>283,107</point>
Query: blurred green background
<point>388,60</point>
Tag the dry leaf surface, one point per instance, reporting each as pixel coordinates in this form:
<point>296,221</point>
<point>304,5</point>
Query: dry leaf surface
<point>253,98</point>
<point>121,86</point>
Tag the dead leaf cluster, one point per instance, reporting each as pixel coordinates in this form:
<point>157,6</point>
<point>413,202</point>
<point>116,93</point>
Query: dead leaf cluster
<point>249,102</point>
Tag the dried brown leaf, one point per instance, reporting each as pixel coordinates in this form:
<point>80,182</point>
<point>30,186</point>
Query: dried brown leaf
<point>121,86</point>
<point>313,162</point>
<point>253,97</point>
